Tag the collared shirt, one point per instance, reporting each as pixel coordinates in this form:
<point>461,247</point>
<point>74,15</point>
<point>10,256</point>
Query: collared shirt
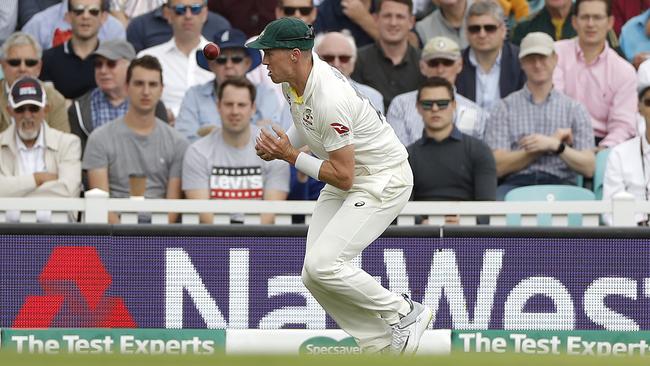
<point>487,83</point>
<point>458,168</point>
<point>408,124</point>
<point>181,71</point>
<point>606,86</point>
<point>376,70</point>
<point>71,75</point>
<point>626,172</point>
<point>199,109</point>
<point>42,25</point>
<point>102,110</point>
<point>436,25</point>
<point>633,36</point>
<point>517,116</point>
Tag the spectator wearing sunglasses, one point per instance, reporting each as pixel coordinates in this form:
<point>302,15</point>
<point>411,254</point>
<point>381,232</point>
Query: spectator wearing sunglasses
<point>448,165</point>
<point>20,57</point>
<point>357,16</point>
<point>447,21</point>
<point>592,73</point>
<point>537,134</point>
<point>391,64</point>
<point>70,66</point>
<point>491,69</point>
<point>153,28</point>
<point>199,115</point>
<point>51,27</point>
<point>36,160</point>
<point>109,100</point>
<point>440,57</point>
<point>338,49</point>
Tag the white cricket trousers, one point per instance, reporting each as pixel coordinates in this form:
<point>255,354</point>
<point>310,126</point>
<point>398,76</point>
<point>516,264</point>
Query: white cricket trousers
<point>344,224</point>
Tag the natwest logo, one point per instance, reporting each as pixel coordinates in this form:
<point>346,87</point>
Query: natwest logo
<point>74,281</point>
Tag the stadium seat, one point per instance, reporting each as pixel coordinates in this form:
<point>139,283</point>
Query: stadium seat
<point>599,173</point>
<point>548,192</point>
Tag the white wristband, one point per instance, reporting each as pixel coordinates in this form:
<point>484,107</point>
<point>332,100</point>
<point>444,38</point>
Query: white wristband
<point>308,164</point>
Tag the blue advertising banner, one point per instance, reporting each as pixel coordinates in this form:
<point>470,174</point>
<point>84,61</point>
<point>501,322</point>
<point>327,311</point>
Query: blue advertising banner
<point>254,282</point>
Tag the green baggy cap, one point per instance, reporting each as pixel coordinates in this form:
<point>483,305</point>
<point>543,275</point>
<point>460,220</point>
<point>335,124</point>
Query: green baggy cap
<point>285,33</point>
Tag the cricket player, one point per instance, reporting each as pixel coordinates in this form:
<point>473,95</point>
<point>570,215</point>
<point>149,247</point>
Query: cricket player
<point>368,178</point>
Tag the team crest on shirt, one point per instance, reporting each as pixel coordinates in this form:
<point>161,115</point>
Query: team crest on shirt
<point>308,119</point>
<point>342,130</point>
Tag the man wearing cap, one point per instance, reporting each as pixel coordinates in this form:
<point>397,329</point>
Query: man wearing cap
<point>198,113</point>
<point>440,57</point>
<point>537,134</point>
<point>628,162</point>
<point>109,99</point>
<point>368,182</point>
<point>35,159</point>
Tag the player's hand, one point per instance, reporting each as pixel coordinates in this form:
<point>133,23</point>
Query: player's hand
<point>270,147</point>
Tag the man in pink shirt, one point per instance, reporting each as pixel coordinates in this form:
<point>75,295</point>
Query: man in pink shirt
<point>590,72</point>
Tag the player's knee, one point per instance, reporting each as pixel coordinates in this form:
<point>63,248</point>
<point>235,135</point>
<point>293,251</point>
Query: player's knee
<point>317,269</point>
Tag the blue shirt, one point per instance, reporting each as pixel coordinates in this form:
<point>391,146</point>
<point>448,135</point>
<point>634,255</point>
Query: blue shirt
<point>151,29</point>
<point>331,19</point>
<point>487,83</point>
<point>102,110</point>
<point>199,108</point>
<point>633,37</point>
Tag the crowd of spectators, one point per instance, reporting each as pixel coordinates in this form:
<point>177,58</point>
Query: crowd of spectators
<point>487,95</point>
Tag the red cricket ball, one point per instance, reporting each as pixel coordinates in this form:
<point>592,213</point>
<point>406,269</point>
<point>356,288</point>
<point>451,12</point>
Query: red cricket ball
<point>211,51</point>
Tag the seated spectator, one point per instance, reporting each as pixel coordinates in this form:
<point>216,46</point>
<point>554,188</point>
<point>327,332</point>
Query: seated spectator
<point>553,19</point>
<point>447,21</point>
<point>198,113</point>
<point>70,66</point>
<point>8,19</point>
<point>36,160</point>
<point>391,64</point>
<point>21,56</point>
<point>248,15</point>
<point>338,49</point>
<point>440,57</point>
<point>137,143</point>
<point>109,100</point>
<point>635,39</point>
<point>628,162</point>
<point>153,28</point>
<point>590,72</point>
<point>178,55</point>
<point>624,10</point>
<point>539,135</point>
<point>357,16</point>
<point>224,165</point>
<point>447,164</point>
<point>52,26</point>
<point>491,69</point>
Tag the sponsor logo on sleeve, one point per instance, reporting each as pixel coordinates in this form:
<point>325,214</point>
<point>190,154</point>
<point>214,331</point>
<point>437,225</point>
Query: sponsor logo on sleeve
<point>342,130</point>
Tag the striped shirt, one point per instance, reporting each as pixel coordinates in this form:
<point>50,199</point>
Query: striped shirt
<point>517,116</point>
<point>101,109</point>
<point>408,125</point>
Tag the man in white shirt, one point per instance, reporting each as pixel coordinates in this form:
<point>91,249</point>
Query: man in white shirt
<point>35,159</point>
<point>628,164</point>
<point>368,181</point>
<point>178,55</point>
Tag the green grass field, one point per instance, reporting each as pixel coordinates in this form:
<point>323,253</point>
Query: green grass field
<point>456,360</point>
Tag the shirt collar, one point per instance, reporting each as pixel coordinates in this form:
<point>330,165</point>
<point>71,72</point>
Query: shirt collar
<point>316,67</point>
<point>474,62</point>
<point>581,55</point>
<point>40,141</point>
<point>454,135</point>
<point>529,95</point>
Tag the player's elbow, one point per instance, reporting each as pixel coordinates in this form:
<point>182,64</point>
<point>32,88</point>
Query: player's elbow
<point>345,181</point>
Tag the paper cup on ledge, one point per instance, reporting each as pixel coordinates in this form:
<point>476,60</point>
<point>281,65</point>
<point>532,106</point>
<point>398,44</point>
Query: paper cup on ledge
<point>137,186</point>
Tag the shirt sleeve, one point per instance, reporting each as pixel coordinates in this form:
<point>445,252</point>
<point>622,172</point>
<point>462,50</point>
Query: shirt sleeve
<point>180,144</point>
<point>8,19</point>
<point>496,134</point>
<point>485,172</point>
<point>335,124</point>
<point>196,172</point>
<point>621,122</point>
<point>96,153</point>
<point>276,176</point>
<point>582,129</point>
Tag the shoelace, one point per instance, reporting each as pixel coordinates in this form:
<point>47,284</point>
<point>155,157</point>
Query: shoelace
<point>400,336</point>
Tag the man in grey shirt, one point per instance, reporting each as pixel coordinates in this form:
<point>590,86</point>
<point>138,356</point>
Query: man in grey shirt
<point>224,165</point>
<point>137,144</point>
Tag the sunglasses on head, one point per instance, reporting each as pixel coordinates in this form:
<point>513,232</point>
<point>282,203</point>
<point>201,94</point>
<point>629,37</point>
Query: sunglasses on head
<point>344,59</point>
<point>181,9</point>
<point>489,28</point>
<point>435,62</point>
<point>80,9</point>
<point>428,104</point>
<point>109,63</point>
<point>291,10</point>
<point>29,107</point>
<point>223,59</point>
<point>29,62</point>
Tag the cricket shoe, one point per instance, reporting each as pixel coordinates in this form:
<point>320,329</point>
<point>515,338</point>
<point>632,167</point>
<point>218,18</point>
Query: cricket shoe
<point>407,333</point>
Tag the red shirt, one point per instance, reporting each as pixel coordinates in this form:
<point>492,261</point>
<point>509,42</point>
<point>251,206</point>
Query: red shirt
<point>623,10</point>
